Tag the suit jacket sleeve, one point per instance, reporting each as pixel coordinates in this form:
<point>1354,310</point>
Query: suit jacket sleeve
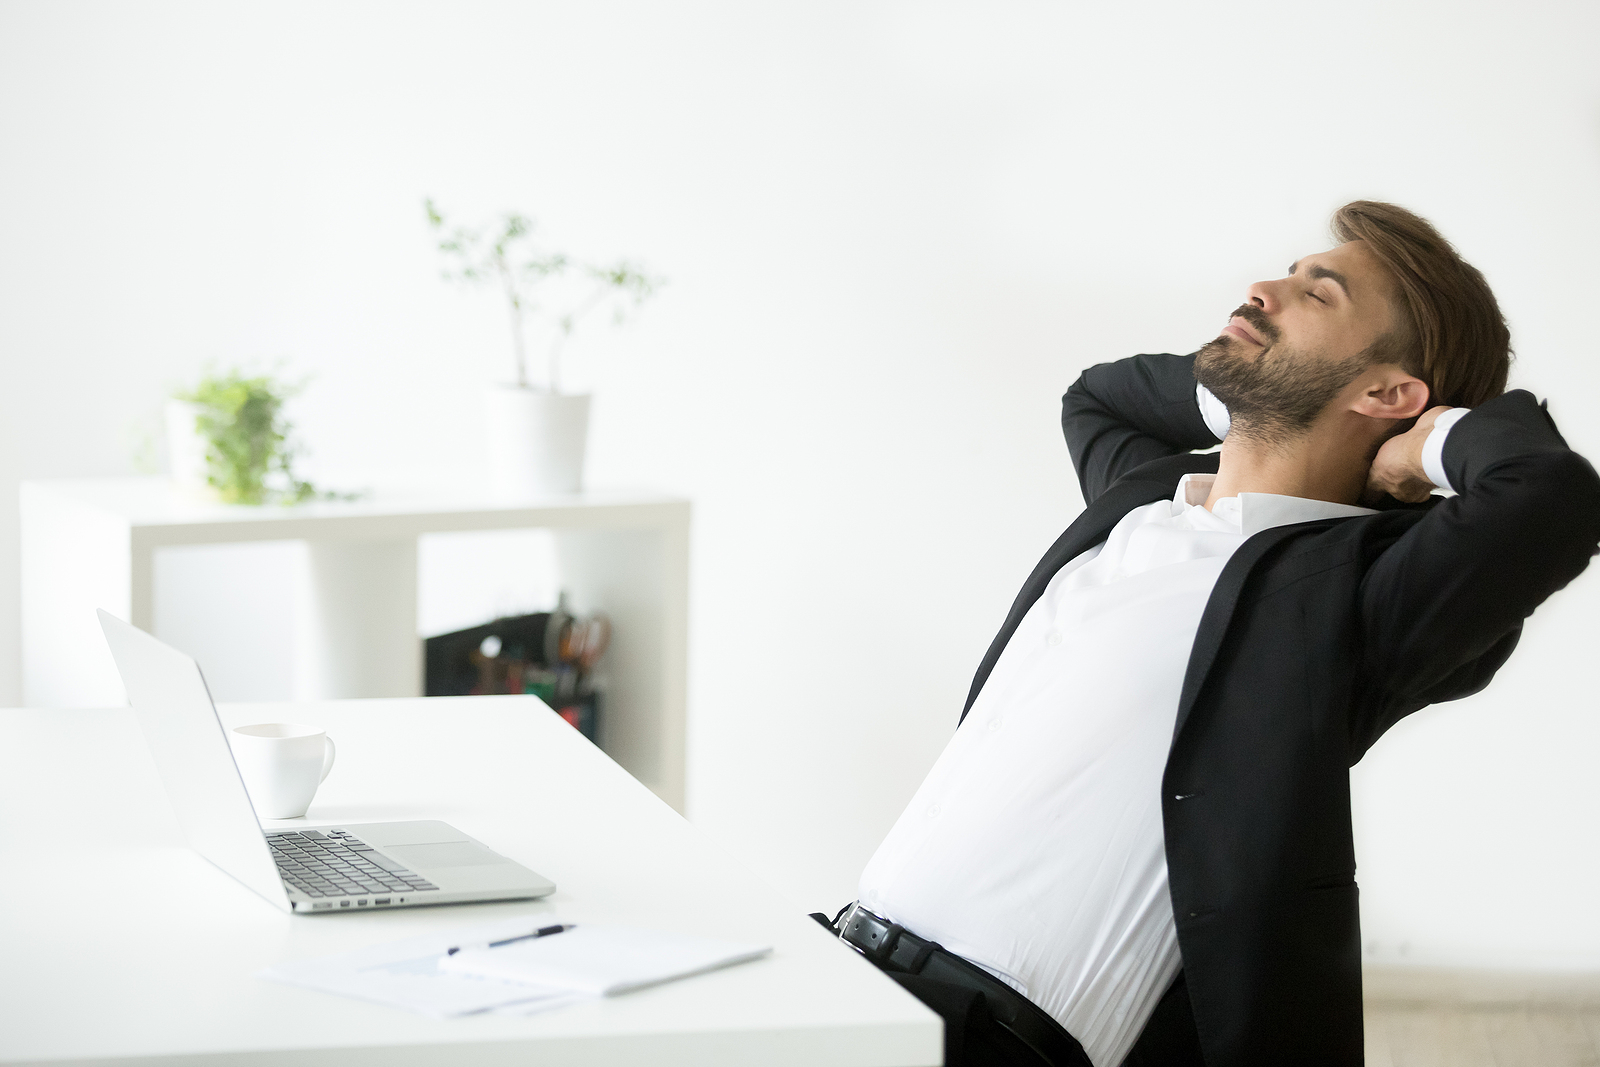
<point>1443,605</point>
<point>1118,416</point>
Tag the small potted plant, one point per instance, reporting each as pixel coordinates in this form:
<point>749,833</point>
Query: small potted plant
<point>536,433</point>
<point>229,441</point>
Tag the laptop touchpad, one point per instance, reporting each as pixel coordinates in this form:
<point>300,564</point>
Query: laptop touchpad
<point>444,854</point>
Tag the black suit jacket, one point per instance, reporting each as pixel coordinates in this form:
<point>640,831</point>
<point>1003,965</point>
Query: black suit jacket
<point>1317,638</point>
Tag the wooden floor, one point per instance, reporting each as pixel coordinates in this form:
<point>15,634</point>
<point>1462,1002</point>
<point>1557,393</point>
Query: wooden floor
<point>1418,1018</point>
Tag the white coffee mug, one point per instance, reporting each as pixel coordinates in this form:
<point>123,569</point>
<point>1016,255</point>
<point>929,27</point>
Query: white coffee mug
<point>282,764</point>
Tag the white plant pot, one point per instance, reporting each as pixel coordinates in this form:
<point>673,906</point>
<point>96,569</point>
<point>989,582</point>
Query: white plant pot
<point>536,442</point>
<point>186,450</point>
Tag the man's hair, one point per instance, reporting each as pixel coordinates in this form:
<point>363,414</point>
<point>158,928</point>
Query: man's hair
<point>1452,335</point>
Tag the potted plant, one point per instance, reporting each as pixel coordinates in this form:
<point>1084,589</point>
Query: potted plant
<point>536,433</point>
<point>228,440</point>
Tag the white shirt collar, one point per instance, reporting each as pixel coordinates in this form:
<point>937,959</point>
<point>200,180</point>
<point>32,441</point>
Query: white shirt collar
<point>1255,512</point>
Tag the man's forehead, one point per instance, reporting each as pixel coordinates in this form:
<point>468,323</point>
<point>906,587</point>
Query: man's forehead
<point>1347,254</point>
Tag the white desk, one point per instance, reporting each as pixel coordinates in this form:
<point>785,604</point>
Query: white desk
<point>96,543</point>
<point>120,946</point>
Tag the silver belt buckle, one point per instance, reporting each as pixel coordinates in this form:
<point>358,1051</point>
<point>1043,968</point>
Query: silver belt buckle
<point>844,924</point>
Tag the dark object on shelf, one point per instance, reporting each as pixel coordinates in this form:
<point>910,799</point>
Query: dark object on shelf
<point>549,654</point>
<point>454,664</point>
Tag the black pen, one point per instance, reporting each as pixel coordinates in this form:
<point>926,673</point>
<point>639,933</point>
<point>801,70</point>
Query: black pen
<point>543,931</point>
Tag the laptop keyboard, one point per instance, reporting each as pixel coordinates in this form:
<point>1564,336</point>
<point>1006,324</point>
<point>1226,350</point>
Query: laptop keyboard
<point>336,863</point>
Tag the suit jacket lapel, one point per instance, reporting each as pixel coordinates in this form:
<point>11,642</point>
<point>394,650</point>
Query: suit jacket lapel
<point>1220,608</point>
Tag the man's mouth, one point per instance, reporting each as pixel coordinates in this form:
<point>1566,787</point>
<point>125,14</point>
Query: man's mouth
<point>1237,327</point>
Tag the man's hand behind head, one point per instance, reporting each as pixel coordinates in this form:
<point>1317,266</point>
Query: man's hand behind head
<point>1397,468</point>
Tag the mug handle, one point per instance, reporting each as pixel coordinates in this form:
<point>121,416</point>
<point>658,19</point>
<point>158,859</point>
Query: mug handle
<point>327,759</point>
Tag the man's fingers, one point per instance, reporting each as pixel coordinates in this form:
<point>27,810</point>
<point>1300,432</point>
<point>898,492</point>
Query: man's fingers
<point>1408,490</point>
<point>1397,468</point>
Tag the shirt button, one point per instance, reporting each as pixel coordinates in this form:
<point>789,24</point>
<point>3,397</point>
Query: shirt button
<point>1054,638</point>
<point>994,724</point>
<point>933,811</point>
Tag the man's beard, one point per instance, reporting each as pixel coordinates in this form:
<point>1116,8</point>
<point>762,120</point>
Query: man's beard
<point>1278,395</point>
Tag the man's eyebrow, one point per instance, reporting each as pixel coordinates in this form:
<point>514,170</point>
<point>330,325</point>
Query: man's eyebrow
<point>1324,272</point>
<point>1332,276</point>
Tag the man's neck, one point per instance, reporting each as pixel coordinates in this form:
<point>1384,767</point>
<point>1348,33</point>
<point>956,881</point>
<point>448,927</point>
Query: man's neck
<point>1317,465</point>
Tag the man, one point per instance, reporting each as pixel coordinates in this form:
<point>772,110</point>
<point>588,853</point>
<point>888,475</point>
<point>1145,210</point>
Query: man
<point>1137,846</point>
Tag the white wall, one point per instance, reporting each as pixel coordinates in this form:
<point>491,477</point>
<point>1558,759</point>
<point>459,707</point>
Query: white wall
<point>894,234</point>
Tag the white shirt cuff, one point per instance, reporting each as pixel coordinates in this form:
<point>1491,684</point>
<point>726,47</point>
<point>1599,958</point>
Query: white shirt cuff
<point>1212,411</point>
<point>1433,448</point>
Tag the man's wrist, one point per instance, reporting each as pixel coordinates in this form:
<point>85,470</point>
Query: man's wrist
<point>1433,447</point>
<point>1213,412</point>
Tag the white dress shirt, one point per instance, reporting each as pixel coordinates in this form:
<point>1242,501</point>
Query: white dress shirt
<point>1034,847</point>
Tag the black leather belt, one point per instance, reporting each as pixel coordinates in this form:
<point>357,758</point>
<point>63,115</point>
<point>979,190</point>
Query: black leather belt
<point>894,948</point>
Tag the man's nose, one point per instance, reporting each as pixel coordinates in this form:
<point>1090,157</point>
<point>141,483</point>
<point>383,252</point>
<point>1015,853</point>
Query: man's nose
<point>1263,295</point>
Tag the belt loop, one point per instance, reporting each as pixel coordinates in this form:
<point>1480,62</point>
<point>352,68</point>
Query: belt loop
<point>891,938</point>
<point>921,958</point>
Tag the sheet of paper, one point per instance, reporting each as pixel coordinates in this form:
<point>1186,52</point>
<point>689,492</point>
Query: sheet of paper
<point>406,974</point>
<point>602,959</point>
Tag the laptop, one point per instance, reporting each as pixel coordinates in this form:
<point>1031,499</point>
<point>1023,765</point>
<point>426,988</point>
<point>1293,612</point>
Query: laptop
<point>329,869</point>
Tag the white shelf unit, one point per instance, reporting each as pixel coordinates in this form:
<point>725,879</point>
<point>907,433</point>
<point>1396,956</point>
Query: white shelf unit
<point>92,543</point>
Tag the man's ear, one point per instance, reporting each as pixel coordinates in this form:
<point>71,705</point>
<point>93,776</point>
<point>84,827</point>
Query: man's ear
<point>1388,392</point>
